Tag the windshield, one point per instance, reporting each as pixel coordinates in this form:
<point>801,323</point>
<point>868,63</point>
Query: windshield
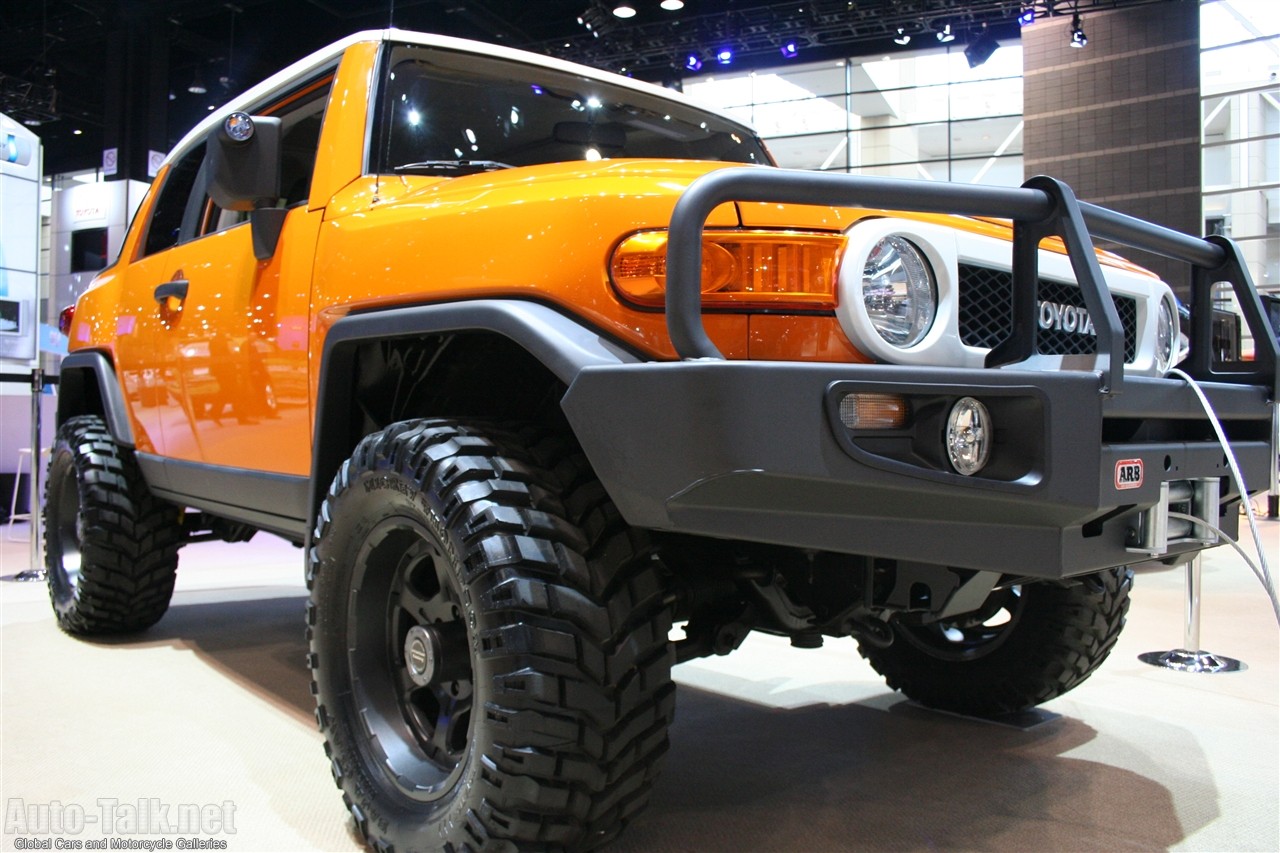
<point>449,113</point>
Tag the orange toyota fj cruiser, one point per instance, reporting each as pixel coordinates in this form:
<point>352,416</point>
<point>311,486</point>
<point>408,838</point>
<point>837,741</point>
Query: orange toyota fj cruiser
<point>537,361</point>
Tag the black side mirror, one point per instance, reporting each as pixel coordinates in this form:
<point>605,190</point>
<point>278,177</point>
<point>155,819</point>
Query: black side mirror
<point>243,162</point>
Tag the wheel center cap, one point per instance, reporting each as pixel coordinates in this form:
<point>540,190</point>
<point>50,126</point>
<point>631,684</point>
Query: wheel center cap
<point>420,655</point>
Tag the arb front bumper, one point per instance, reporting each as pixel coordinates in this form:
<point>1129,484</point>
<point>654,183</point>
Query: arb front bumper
<point>757,451</point>
<point>1088,469</point>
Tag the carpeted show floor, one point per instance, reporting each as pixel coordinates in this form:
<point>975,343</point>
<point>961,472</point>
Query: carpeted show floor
<point>772,749</point>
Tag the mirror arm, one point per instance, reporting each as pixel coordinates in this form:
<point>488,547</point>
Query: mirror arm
<point>266,223</point>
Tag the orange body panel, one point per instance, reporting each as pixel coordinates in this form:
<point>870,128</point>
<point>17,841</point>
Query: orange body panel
<point>779,337</point>
<point>542,232</point>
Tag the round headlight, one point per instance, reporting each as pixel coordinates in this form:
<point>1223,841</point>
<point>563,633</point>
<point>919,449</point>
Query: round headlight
<point>969,436</point>
<point>898,291</point>
<point>1166,337</point>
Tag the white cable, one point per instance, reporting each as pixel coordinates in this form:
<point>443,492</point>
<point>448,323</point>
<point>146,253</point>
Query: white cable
<point>1264,575</point>
<point>1258,571</point>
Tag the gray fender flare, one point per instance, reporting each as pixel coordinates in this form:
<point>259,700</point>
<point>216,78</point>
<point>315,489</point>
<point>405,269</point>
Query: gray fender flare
<point>561,343</point>
<point>88,385</point>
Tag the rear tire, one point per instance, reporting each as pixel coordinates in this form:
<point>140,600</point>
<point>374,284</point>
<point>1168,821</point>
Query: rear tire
<point>1054,636</point>
<point>111,547</point>
<point>488,644</point>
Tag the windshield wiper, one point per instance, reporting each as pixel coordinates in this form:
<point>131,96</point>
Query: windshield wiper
<point>432,167</point>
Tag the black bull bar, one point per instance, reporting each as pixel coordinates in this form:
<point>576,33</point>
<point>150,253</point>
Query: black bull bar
<point>1042,207</point>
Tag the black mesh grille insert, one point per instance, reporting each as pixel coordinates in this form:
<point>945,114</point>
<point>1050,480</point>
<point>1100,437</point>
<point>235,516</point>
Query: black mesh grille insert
<point>986,314</point>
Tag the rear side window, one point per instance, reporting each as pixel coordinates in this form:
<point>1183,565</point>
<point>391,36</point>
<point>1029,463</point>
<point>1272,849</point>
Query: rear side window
<point>165,226</point>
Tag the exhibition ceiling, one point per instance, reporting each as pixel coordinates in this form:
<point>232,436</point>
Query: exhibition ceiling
<point>55,54</point>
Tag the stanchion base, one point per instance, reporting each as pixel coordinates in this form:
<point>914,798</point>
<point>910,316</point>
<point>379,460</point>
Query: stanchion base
<point>1186,661</point>
<point>29,575</point>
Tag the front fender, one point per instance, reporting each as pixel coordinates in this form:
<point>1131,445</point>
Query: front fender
<point>560,343</point>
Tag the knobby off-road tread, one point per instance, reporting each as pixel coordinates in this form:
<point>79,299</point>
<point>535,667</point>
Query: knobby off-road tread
<point>129,538</point>
<point>1063,634</point>
<point>573,692</point>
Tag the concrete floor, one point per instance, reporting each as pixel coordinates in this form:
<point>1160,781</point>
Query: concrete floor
<point>772,748</point>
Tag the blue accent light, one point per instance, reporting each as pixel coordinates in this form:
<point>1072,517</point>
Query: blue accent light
<point>1027,16</point>
<point>724,56</point>
<point>693,63</point>
<point>789,50</point>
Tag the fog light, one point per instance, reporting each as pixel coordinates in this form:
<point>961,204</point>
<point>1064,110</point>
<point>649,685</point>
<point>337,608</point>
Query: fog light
<point>969,435</point>
<point>874,411</point>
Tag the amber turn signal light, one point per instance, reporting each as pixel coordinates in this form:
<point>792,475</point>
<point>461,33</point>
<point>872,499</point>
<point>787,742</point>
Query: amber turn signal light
<point>874,411</point>
<point>746,267</point>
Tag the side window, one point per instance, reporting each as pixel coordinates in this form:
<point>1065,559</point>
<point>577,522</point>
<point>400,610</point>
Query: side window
<point>300,144</point>
<point>165,227</point>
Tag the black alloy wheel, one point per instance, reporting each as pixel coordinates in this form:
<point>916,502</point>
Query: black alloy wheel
<point>111,547</point>
<point>489,645</point>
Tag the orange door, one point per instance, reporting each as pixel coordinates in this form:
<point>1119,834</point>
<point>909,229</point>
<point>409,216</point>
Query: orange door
<point>148,376</point>
<point>237,349</point>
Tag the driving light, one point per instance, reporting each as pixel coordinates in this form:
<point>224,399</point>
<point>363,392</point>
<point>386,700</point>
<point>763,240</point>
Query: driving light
<point>969,436</point>
<point>749,267</point>
<point>1166,337</point>
<point>898,291</point>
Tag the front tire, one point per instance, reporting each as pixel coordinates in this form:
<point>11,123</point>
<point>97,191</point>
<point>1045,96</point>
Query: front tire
<point>1027,645</point>
<point>111,547</point>
<point>488,644</point>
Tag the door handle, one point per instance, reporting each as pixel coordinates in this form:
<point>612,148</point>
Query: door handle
<point>171,289</point>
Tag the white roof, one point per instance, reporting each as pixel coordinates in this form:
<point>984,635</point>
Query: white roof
<point>304,68</point>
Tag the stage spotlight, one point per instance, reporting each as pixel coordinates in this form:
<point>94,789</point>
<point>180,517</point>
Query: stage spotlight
<point>945,35</point>
<point>1078,38</point>
<point>1027,16</point>
<point>724,56</point>
<point>790,50</point>
<point>980,49</point>
<point>902,38</point>
<point>672,5</point>
<point>622,10</point>
<point>596,19</point>
<point>693,62</point>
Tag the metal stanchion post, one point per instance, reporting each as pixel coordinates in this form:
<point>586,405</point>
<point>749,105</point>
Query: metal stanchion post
<point>36,572</point>
<point>1273,496</point>
<point>1191,658</point>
